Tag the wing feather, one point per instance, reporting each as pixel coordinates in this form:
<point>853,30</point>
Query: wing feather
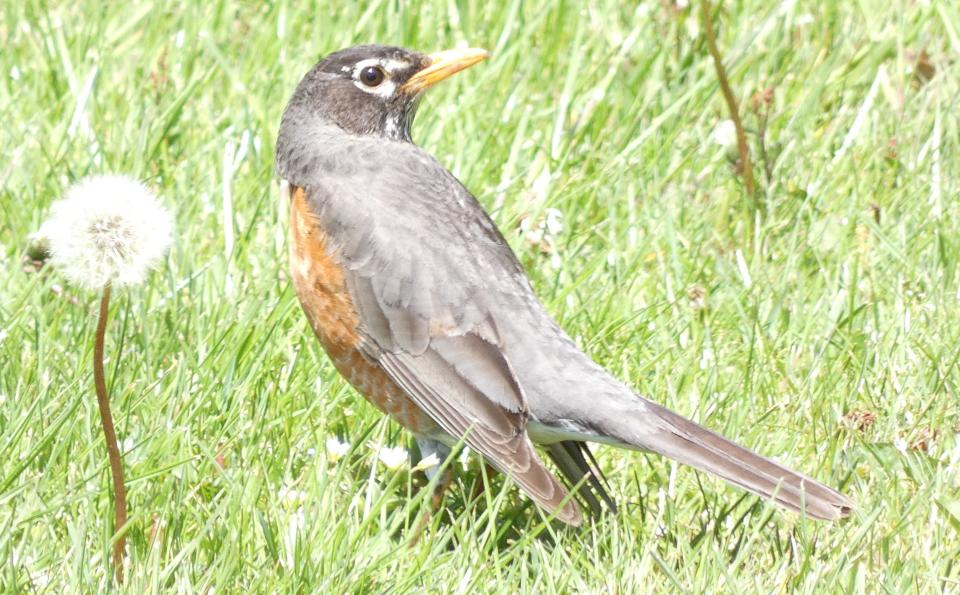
<point>495,432</point>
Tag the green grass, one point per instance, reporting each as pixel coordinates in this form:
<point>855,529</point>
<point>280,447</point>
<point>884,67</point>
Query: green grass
<point>837,291</point>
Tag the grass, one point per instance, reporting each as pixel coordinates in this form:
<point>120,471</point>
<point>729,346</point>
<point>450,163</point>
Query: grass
<point>833,297</point>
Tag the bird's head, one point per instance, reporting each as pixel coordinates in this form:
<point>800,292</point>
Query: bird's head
<point>374,90</point>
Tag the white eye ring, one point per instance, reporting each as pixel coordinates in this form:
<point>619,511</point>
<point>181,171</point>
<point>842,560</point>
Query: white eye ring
<point>385,87</point>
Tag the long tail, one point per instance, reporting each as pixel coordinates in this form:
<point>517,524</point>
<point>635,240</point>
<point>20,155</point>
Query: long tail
<point>665,432</point>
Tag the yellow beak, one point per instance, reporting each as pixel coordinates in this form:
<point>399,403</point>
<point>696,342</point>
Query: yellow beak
<point>442,65</point>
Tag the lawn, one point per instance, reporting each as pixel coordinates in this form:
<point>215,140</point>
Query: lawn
<point>817,322</point>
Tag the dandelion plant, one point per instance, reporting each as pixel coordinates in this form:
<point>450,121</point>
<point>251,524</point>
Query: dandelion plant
<point>108,232</point>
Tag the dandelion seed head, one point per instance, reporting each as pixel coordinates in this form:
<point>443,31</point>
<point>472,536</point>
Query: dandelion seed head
<point>107,229</point>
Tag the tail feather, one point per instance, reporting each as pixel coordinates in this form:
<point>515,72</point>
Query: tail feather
<point>570,460</point>
<point>683,440</point>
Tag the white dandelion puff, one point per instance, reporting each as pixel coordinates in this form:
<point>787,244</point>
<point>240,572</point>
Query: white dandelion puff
<point>393,457</point>
<point>336,450</point>
<point>108,229</point>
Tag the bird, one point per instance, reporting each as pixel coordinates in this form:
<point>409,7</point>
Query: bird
<point>423,307</point>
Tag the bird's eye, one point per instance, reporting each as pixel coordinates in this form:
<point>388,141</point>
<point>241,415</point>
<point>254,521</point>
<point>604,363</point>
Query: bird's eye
<point>371,76</point>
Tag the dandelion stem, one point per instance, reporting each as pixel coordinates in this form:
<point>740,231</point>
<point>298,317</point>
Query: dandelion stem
<point>728,96</point>
<point>113,451</point>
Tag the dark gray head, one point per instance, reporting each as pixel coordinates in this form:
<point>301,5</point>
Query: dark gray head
<point>372,89</point>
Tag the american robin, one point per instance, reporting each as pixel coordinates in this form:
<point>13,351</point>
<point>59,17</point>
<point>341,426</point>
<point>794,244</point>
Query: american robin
<point>421,304</point>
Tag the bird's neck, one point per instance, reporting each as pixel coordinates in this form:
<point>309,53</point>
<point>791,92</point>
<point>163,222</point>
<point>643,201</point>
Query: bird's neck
<point>396,126</point>
<point>398,120</point>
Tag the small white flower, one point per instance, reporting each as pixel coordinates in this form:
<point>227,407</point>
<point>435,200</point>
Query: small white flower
<point>900,444</point>
<point>393,457</point>
<point>427,462</point>
<point>553,222</point>
<point>725,135</point>
<point>465,457</point>
<point>292,496</point>
<point>542,232</point>
<point>107,229</point>
<point>707,359</point>
<point>336,450</point>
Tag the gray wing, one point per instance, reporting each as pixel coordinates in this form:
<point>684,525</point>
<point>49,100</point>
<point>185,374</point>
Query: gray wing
<point>427,271</point>
<point>457,382</point>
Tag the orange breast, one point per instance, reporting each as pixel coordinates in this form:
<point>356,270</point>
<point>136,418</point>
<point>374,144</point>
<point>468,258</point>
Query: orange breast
<point>321,286</point>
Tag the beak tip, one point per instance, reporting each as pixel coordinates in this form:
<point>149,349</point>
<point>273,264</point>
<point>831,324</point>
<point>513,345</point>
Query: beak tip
<point>463,55</point>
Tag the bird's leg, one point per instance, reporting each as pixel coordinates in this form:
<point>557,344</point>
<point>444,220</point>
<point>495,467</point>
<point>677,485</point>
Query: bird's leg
<point>436,499</point>
<point>432,447</point>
